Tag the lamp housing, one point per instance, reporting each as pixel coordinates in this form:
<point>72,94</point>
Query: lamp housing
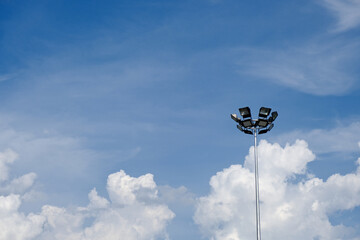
<point>245,112</point>
<point>235,118</point>
<point>244,130</point>
<point>248,131</point>
<point>262,123</point>
<point>263,131</point>
<point>274,115</point>
<point>247,123</point>
<point>264,112</point>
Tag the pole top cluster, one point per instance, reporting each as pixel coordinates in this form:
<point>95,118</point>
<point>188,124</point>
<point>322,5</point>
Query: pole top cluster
<point>246,124</point>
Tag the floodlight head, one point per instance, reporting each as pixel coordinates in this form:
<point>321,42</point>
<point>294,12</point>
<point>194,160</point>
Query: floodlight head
<point>264,112</point>
<point>235,118</point>
<point>247,123</point>
<point>245,112</point>
<point>274,115</point>
<point>248,131</point>
<point>244,130</point>
<point>250,126</point>
<point>262,123</point>
<point>263,131</point>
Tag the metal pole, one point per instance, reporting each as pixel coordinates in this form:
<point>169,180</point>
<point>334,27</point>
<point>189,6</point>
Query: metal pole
<point>255,126</point>
<point>257,196</point>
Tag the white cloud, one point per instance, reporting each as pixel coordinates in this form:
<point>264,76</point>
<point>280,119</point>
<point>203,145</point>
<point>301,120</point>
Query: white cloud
<point>289,209</point>
<point>16,225</point>
<point>134,211</point>
<point>124,189</point>
<point>17,185</point>
<point>346,11</point>
<point>20,184</point>
<point>96,201</point>
<point>319,68</point>
<point>131,213</point>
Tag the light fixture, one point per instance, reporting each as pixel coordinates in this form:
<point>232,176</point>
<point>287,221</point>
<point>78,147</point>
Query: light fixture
<point>274,115</point>
<point>248,131</point>
<point>244,130</point>
<point>245,112</point>
<point>255,127</point>
<point>263,131</point>
<point>262,123</point>
<point>247,123</point>
<point>264,112</point>
<point>235,118</point>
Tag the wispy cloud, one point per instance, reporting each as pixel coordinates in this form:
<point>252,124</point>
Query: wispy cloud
<point>319,68</point>
<point>6,77</point>
<point>342,138</point>
<point>346,11</point>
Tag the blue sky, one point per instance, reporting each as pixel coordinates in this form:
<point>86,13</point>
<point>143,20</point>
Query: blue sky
<point>89,88</point>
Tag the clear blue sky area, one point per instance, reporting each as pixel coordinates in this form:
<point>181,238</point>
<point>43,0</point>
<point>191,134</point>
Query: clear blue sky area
<point>91,87</point>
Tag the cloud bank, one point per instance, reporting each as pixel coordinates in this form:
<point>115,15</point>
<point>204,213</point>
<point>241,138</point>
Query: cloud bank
<point>294,205</point>
<point>131,212</point>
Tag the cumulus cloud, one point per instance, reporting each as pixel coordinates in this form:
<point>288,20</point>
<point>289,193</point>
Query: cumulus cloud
<point>20,184</point>
<point>14,224</point>
<point>346,11</point>
<point>132,212</point>
<point>294,205</point>
<point>124,189</point>
<point>17,185</point>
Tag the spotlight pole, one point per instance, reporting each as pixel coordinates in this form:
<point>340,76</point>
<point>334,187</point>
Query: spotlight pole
<point>254,127</point>
<point>257,195</point>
